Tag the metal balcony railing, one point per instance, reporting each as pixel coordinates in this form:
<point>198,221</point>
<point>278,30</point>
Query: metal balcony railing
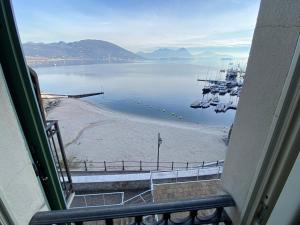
<point>161,213</point>
<point>59,156</point>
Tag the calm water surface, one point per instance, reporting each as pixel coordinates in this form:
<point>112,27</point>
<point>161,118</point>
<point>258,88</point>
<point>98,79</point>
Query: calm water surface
<point>157,90</point>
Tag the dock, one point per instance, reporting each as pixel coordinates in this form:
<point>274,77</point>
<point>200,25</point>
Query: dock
<point>210,81</point>
<point>85,95</point>
<point>49,96</point>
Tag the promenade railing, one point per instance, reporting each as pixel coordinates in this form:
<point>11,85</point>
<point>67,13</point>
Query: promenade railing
<point>110,166</point>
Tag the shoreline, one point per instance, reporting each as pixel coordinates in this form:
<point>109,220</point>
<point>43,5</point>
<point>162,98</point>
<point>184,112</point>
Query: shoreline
<point>96,133</point>
<point>132,116</point>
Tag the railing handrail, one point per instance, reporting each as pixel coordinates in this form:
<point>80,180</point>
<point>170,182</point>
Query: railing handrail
<point>150,162</point>
<point>115,212</point>
<point>140,165</point>
<point>102,193</point>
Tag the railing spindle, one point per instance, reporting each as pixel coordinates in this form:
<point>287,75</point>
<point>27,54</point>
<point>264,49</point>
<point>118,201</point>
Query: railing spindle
<point>78,223</point>
<point>109,222</point>
<point>218,215</point>
<point>138,220</point>
<point>193,215</point>
<point>166,218</point>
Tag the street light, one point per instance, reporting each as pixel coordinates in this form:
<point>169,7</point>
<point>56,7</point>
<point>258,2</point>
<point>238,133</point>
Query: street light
<point>159,142</point>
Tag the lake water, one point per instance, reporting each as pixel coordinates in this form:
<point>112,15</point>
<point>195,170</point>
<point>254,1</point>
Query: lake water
<point>157,90</point>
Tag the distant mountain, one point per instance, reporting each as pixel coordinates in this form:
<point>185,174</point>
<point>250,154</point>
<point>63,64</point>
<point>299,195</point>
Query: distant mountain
<point>166,53</point>
<point>235,51</point>
<point>78,52</point>
<point>212,54</point>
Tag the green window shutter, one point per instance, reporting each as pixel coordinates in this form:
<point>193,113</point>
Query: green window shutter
<point>25,102</point>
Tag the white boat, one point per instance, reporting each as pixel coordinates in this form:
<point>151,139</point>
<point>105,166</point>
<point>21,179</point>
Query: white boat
<point>222,90</point>
<point>206,89</point>
<point>238,92</point>
<point>215,101</point>
<point>221,107</point>
<point>233,92</point>
<point>205,105</point>
<point>201,104</point>
<point>231,74</point>
<point>240,83</point>
<point>214,89</point>
<point>232,106</point>
<point>196,104</point>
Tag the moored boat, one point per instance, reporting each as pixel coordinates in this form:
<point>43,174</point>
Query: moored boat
<point>206,89</point>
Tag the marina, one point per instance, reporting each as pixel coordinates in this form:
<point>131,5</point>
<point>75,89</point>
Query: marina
<point>214,90</point>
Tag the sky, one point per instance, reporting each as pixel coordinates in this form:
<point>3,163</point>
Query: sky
<point>140,25</point>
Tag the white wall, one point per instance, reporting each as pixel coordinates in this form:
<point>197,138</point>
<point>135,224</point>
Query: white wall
<point>287,208</point>
<point>20,190</point>
<point>273,46</point>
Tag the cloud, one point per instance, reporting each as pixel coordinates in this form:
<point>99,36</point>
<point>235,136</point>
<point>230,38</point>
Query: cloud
<point>140,25</point>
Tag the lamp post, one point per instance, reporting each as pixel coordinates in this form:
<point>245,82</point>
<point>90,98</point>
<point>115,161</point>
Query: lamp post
<point>159,142</point>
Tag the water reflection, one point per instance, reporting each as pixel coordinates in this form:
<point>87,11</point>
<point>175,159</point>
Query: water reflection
<point>158,90</point>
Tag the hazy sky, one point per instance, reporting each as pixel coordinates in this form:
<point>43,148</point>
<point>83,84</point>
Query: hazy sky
<point>139,25</point>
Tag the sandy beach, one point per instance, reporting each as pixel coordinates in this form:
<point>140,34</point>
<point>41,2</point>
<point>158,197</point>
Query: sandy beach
<point>96,134</point>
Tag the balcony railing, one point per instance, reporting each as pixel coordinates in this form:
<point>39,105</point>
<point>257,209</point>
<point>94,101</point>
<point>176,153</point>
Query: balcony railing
<point>59,156</point>
<point>161,213</point>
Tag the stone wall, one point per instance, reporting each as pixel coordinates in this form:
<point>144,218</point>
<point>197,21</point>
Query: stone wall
<point>186,190</point>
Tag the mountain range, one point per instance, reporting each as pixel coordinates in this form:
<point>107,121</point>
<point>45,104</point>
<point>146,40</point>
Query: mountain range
<point>166,53</point>
<point>96,51</point>
<point>78,52</point>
